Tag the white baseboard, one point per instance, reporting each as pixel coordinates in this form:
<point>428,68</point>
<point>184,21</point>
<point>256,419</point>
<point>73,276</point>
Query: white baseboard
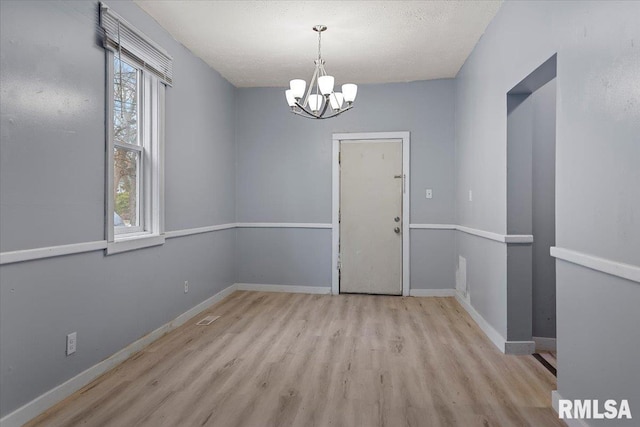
<point>488,330</point>
<point>519,348</point>
<point>432,292</point>
<point>507,347</point>
<point>41,403</point>
<point>555,398</point>
<point>259,287</point>
<point>545,344</point>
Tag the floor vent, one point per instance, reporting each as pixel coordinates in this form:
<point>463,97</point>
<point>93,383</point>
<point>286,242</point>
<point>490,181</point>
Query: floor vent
<point>207,320</point>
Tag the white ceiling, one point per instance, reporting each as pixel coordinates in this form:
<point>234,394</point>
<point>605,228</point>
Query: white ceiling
<point>267,43</point>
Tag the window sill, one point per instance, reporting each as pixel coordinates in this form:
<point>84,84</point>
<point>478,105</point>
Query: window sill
<point>133,242</point>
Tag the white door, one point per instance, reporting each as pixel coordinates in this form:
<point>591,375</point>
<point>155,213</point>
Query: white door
<point>371,217</point>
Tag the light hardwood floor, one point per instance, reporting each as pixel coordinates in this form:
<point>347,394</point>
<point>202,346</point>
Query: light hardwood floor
<point>276,359</point>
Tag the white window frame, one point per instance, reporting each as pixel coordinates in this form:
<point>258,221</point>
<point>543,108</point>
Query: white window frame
<point>150,175</point>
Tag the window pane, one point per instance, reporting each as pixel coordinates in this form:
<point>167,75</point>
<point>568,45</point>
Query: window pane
<point>125,102</point>
<point>126,188</point>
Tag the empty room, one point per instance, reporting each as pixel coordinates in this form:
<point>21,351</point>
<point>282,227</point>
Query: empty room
<point>319,213</point>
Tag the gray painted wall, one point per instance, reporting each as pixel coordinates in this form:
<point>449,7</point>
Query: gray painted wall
<point>284,256</point>
<point>598,338</point>
<point>544,210</point>
<point>531,133</point>
<point>597,174</point>
<point>284,174</point>
<point>52,192</point>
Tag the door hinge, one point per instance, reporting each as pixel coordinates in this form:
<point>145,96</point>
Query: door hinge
<point>339,157</point>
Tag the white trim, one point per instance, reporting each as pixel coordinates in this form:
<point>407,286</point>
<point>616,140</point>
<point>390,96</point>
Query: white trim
<point>518,238</point>
<point>503,238</point>
<point>51,251</point>
<point>545,343</point>
<point>371,135</point>
<point>282,225</point>
<point>519,348</point>
<point>125,244</point>
<point>507,347</point>
<point>198,230</point>
<point>495,337</point>
<point>335,217</point>
<point>555,398</point>
<point>619,269</point>
<point>150,176</point>
<point>405,137</point>
<point>432,292</point>
<point>43,402</point>
<point>259,287</point>
<point>76,248</point>
<point>432,226</point>
<point>11,257</point>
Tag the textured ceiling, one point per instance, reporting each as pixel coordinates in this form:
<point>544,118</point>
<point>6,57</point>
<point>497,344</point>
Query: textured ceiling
<point>267,43</point>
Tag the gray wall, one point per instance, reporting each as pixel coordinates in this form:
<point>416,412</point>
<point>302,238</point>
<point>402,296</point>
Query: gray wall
<point>597,174</point>
<point>531,133</point>
<point>284,175</point>
<point>544,210</point>
<point>52,193</point>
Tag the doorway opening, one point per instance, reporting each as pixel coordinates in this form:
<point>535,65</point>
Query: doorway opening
<point>370,226</point>
<point>531,142</point>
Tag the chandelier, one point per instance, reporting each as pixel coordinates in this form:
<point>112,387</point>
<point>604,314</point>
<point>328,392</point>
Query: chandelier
<point>320,100</point>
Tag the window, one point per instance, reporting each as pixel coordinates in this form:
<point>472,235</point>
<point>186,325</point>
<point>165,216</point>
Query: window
<point>137,73</point>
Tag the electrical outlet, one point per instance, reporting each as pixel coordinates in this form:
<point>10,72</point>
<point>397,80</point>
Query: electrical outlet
<point>428,193</point>
<point>186,286</point>
<point>72,339</point>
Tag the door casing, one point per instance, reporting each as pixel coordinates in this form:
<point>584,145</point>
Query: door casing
<point>335,226</point>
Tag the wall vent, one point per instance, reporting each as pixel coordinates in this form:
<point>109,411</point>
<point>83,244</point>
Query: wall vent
<point>207,320</point>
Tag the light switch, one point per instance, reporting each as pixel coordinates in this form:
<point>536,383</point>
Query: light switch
<point>429,193</point>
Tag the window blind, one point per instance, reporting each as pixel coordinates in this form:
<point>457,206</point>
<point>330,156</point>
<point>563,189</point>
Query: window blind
<point>119,34</point>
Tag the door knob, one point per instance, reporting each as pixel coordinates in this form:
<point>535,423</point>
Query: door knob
<point>396,219</point>
<point>397,230</point>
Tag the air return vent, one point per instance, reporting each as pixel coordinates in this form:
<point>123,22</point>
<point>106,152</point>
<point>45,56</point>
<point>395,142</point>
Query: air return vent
<point>207,320</point>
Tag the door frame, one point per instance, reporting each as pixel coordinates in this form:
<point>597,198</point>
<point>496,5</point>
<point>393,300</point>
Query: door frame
<point>338,138</point>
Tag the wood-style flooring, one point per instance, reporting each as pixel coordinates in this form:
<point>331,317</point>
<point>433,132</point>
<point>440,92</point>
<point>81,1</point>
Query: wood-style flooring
<point>277,359</point>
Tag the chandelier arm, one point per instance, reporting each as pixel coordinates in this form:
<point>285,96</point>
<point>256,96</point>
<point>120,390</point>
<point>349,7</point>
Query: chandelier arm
<point>304,114</point>
<point>303,109</point>
<point>337,113</point>
<point>324,109</point>
<point>307,115</point>
<point>323,72</point>
<point>310,88</point>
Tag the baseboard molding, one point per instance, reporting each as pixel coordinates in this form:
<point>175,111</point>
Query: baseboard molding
<point>545,344</point>
<point>259,287</point>
<point>432,292</point>
<point>43,402</point>
<point>519,348</point>
<point>488,330</point>
<point>614,268</point>
<point>555,398</point>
